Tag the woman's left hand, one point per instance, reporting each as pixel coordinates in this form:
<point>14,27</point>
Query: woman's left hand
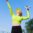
<point>27,7</point>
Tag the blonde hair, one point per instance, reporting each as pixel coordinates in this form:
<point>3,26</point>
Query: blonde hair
<point>18,9</point>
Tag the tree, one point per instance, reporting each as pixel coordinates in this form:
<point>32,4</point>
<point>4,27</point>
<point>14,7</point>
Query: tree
<point>29,26</point>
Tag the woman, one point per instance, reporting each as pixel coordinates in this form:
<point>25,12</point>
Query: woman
<point>16,19</point>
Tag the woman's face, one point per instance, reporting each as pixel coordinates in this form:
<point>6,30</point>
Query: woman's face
<point>19,13</point>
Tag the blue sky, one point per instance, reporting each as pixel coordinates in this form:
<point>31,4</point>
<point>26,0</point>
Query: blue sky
<point>5,18</point>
